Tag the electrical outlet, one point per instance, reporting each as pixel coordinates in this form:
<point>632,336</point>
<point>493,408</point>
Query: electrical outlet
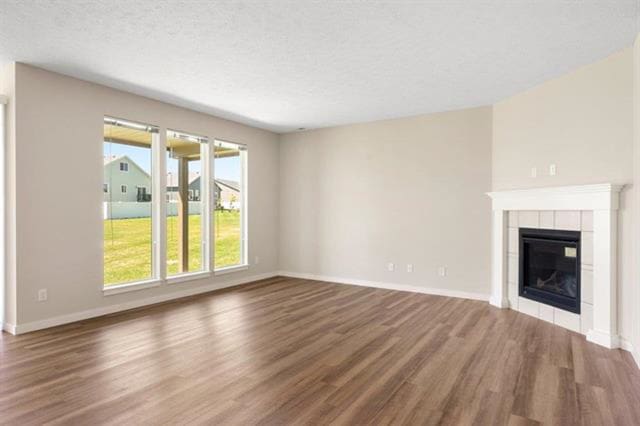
<point>534,172</point>
<point>442,271</point>
<point>391,267</point>
<point>409,267</point>
<point>552,170</point>
<point>42,295</point>
<point>256,260</point>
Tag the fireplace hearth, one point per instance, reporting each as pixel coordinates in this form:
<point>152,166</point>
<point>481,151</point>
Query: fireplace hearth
<point>550,267</point>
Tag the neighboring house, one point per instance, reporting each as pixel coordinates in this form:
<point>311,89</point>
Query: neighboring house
<point>125,181</point>
<point>194,186</point>
<point>227,194</point>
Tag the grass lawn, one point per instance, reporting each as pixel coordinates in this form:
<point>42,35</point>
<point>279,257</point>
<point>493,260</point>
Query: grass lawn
<point>127,246</point>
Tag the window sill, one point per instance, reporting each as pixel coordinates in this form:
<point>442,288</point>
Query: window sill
<point>141,285</point>
<point>125,288</point>
<point>231,269</point>
<point>188,277</point>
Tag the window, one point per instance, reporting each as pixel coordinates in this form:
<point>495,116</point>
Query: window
<point>195,223</point>
<point>230,204</point>
<point>187,217</point>
<point>128,218</point>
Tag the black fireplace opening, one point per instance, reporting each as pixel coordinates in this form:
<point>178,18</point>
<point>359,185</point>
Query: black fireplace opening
<point>550,267</point>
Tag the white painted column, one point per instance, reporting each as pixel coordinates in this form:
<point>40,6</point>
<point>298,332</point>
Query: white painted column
<point>3,107</point>
<point>605,315</point>
<point>636,203</point>
<point>499,260</point>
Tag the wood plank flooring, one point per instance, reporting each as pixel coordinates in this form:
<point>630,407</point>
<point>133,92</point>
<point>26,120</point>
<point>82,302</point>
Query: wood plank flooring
<point>289,351</point>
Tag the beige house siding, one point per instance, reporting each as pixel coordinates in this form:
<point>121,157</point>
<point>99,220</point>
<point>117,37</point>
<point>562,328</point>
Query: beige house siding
<point>133,178</point>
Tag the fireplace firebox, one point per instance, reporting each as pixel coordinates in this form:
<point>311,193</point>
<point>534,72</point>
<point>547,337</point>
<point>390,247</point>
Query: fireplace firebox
<point>550,267</point>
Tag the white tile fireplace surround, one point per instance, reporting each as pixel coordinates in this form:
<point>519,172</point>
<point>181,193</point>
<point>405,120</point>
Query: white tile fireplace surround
<point>590,209</point>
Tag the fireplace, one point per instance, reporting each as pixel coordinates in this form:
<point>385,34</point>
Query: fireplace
<point>550,267</point>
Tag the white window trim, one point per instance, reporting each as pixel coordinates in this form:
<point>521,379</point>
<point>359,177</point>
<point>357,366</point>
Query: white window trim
<point>156,279</point>
<point>132,286</point>
<point>159,219</point>
<point>187,276</point>
<point>126,189</point>
<point>205,214</point>
<point>230,269</point>
<point>126,169</point>
<point>244,243</point>
<point>141,285</point>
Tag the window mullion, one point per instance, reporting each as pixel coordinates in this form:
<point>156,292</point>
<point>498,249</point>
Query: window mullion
<point>159,206</point>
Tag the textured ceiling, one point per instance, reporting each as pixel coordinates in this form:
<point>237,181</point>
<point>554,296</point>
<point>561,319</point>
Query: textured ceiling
<point>283,65</point>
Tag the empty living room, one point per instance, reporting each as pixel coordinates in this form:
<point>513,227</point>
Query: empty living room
<point>328,212</point>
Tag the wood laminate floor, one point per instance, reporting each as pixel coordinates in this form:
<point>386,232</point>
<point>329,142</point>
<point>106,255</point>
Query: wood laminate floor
<point>289,351</point>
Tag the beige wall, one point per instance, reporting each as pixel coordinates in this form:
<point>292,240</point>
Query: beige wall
<point>582,122</point>
<point>60,146</point>
<point>410,190</point>
<point>351,199</point>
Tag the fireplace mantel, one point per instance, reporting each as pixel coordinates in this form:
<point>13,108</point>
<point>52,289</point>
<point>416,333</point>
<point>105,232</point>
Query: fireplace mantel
<point>603,200</point>
<point>581,197</point>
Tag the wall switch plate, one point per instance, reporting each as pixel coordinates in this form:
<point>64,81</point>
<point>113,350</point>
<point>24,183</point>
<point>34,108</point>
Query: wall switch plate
<point>409,267</point>
<point>534,172</point>
<point>442,271</point>
<point>391,267</point>
<point>256,260</point>
<point>42,295</point>
<point>552,170</point>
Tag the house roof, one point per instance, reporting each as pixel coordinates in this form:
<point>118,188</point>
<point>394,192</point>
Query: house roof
<point>110,158</point>
<point>113,158</point>
<point>229,184</point>
<point>172,178</point>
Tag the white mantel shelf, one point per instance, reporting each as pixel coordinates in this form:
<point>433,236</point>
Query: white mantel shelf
<point>602,196</point>
<point>603,200</point>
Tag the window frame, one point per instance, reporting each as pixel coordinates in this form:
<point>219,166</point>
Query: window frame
<point>205,215</point>
<point>243,185</point>
<point>126,168</point>
<point>154,279</point>
<point>160,198</point>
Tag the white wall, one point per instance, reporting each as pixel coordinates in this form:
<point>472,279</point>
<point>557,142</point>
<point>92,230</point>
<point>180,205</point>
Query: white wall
<point>60,248</point>
<point>409,190</point>
<point>583,123</point>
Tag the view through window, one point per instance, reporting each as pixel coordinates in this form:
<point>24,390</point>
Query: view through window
<point>127,214</point>
<point>193,199</point>
<point>185,200</point>
<point>229,195</point>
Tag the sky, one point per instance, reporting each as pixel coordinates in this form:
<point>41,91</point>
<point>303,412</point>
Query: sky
<point>224,168</point>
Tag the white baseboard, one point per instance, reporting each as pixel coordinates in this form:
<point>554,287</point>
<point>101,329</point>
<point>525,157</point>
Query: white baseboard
<point>636,357</point>
<point>626,345</point>
<point>9,328</point>
<point>97,312</point>
<point>502,304</point>
<point>388,286</point>
<point>611,341</point>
